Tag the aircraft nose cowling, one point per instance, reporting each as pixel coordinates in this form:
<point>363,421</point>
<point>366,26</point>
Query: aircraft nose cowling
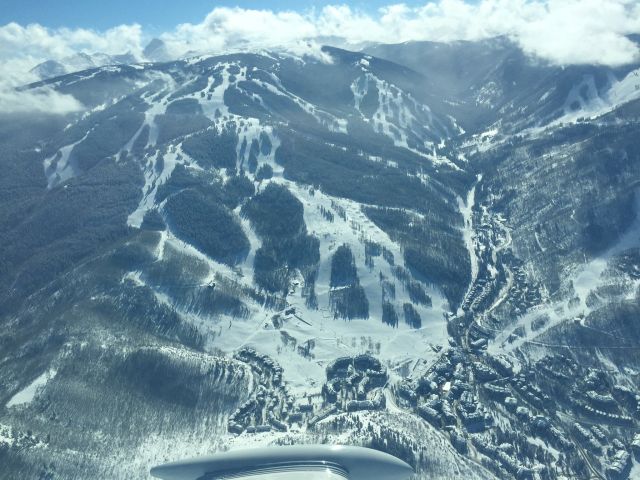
<point>321,461</point>
<point>391,468</point>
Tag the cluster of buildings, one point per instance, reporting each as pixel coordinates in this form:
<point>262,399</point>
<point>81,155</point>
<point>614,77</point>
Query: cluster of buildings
<point>614,457</point>
<point>504,455</point>
<point>355,383</point>
<point>468,393</point>
<point>590,397</point>
<point>270,407</point>
<point>444,395</point>
<point>530,392</point>
<point>523,294</point>
<point>594,398</point>
<point>267,369</point>
<point>463,390</point>
<point>587,438</point>
<point>618,461</point>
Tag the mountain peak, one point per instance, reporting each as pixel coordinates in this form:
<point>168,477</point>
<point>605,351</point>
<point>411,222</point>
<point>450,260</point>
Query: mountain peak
<point>156,51</point>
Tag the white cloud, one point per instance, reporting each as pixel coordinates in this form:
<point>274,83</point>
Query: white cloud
<point>15,73</point>
<point>583,31</point>
<point>38,41</point>
<point>23,47</point>
<point>44,100</point>
<point>559,31</point>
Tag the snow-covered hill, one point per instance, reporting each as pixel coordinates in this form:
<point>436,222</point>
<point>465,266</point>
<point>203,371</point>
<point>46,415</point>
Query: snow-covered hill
<point>252,248</point>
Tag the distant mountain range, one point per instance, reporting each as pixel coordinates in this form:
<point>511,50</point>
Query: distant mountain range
<point>155,51</point>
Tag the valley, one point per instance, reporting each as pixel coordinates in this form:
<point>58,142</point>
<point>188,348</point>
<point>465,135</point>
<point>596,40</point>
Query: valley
<point>256,249</point>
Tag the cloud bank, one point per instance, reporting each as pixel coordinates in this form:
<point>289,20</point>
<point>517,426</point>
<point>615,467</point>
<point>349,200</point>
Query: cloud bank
<point>23,47</point>
<point>16,73</point>
<point>561,32</point>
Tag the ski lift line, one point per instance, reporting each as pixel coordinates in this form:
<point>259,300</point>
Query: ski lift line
<point>302,320</point>
<point>211,284</point>
<point>184,285</point>
<point>482,326</point>
<point>585,347</point>
<point>602,332</point>
<point>92,258</point>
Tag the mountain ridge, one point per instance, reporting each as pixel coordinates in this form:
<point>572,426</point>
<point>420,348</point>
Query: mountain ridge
<point>206,245</point>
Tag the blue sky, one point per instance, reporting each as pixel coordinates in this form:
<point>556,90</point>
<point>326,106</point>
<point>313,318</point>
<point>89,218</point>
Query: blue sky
<point>153,15</point>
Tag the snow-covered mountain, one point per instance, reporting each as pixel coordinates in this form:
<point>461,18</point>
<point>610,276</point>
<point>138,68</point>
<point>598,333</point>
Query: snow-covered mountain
<point>493,83</point>
<point>79,62</point>
<point>434,254</point>
<point>156,51</point>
